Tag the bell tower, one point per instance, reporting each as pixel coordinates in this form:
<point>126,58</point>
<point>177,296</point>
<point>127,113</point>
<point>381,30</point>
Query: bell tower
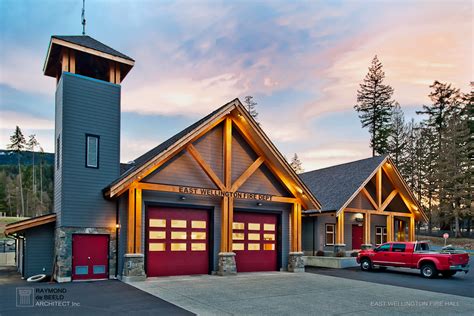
<point>88,75</point>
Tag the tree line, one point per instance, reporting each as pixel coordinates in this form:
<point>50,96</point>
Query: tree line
<point>434,155</point>
<point>26,189</point>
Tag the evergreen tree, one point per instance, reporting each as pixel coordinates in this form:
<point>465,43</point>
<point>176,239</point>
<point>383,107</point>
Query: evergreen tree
<point>250,105</point>
<point>17,144</point>
<point>31,146</point>
<point>374,105</point>
<point>296,164</point>
<point>398,136</point>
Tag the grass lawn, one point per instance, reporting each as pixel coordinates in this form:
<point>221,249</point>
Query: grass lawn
<point>466,243</point>
<point>7,220</point>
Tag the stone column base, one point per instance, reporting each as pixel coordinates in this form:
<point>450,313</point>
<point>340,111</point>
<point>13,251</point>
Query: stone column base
<point>295,262</point>
<point>226,265</point>
<point>339,248</point>
<point>133,267</point>
<point>366,246</point>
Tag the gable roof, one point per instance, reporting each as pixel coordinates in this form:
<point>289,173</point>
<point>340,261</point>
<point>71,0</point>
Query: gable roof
<point>89,42</point>
<point>334,186</point>
<point>175,143</point>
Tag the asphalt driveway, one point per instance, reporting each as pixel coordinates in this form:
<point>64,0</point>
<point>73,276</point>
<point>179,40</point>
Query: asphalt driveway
<point>283,293</point>
<point>460,284</point>
<point>110,297</point>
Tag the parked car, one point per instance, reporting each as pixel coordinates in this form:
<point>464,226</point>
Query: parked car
<point>415,255</point>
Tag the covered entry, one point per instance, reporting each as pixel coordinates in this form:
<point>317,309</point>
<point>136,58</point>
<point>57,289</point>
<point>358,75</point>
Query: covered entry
<point>177,241</point>
<point>254,241</point>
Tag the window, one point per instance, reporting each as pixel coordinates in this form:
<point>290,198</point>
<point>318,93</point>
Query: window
<point>58,151</point>
<point>380,235</point>
<point>422,247</point>
<point>92,151</point>
<point>385,247</point>
<point>330,229</point>
<point>398,247</point>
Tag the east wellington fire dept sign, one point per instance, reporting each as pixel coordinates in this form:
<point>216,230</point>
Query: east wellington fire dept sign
<point>220,193</point>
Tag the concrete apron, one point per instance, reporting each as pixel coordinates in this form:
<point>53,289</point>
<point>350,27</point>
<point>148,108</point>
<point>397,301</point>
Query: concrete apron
<point>270,293</point>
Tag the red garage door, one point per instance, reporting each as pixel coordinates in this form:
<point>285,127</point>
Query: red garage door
<point>254,240</point>
<point>177,241</point>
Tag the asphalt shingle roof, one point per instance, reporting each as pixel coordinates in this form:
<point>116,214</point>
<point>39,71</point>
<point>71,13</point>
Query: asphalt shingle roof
<point>89,42</point>
<point>333,186</point>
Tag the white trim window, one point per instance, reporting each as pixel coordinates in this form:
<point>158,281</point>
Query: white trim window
<point>92,151</point>
<point>380,235</point>
<point>330,233</point>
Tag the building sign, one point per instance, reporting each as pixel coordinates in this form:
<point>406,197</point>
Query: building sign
<point>219,193</point>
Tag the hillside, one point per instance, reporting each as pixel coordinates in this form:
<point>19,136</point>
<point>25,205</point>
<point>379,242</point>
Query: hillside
<point>8,157</point>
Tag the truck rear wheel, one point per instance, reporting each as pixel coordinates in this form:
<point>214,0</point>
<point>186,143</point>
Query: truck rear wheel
<point>428,270</point>
<point>366,264</point>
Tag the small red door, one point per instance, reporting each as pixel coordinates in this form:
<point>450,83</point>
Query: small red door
<point>177,241</point>
<point>254,241</point>
<point>357,236</point>
<point>90,256</point>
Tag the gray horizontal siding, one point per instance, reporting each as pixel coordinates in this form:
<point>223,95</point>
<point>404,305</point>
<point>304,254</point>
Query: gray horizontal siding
<point>88,107</point>
<point>39,250</point>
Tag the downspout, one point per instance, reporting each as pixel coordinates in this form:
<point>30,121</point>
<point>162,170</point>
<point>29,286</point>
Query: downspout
<point>117,227</point>
<point>314,235</point>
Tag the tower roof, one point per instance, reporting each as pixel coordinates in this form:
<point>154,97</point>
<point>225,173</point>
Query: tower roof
<point>84,44</point>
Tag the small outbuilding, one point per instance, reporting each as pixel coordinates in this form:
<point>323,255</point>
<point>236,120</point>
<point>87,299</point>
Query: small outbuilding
<point>364,203</point>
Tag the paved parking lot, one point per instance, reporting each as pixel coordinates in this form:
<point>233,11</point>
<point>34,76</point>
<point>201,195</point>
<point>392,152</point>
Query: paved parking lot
<point>282,293</point>
<point>110,297</point>
<point>460,284</point>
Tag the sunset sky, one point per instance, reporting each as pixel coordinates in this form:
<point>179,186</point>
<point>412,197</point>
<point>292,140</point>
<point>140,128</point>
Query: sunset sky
<point>301,60</point>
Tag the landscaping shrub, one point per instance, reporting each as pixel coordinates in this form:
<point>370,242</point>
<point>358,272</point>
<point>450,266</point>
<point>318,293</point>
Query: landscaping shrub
<point>340,254</point>
<point>354,254</point>
<point>320,253</point>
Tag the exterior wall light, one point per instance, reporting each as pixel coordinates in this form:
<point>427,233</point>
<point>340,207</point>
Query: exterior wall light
<point>359,217</point>
<point>259,204</point>
<point>117,226</point>
<point>182,198</point>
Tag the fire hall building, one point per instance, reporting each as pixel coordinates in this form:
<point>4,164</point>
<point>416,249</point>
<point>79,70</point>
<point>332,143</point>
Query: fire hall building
<point>216,198</point>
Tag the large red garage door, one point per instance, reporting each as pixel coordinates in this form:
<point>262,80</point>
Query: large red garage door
<point>254,240</point>
<point>177,241</point>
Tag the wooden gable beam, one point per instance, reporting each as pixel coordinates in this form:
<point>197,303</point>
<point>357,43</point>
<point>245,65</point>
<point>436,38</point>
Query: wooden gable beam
<point>369,197</point>
<point>247,174</point>
<point>270,166</point>
<point>388,200</point>
<point>205,167</point>
<point>378,187</point>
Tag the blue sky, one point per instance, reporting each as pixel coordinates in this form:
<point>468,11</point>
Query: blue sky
<point>301,60</point>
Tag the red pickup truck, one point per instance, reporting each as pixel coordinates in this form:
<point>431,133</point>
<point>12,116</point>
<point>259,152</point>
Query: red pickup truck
<point>415,255</point>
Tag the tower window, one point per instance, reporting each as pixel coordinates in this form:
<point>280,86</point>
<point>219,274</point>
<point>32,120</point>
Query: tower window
<point>92,151</point>
<point>58,151</point>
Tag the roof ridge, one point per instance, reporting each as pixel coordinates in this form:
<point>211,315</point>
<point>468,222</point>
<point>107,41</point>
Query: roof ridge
<point>345,163</point>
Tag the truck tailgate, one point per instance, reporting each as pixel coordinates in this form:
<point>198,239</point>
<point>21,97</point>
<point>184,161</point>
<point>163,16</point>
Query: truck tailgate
<point>459,258</point>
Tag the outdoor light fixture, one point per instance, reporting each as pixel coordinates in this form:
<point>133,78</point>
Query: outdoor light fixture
<point>117,226</point>
<point>182,198</point>
<point>259,204</point>
<point>359,217</point>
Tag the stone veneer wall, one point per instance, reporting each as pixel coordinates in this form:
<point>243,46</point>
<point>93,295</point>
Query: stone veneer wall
<point>63,250</point>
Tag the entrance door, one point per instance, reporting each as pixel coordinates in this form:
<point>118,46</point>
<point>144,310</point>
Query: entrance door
<point>357,236</point>
<point>177,241</point>
<point>254,241</point>
<point>90,256</point>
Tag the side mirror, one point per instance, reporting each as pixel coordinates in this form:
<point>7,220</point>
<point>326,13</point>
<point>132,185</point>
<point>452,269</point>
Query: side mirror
<point>377,249</point>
